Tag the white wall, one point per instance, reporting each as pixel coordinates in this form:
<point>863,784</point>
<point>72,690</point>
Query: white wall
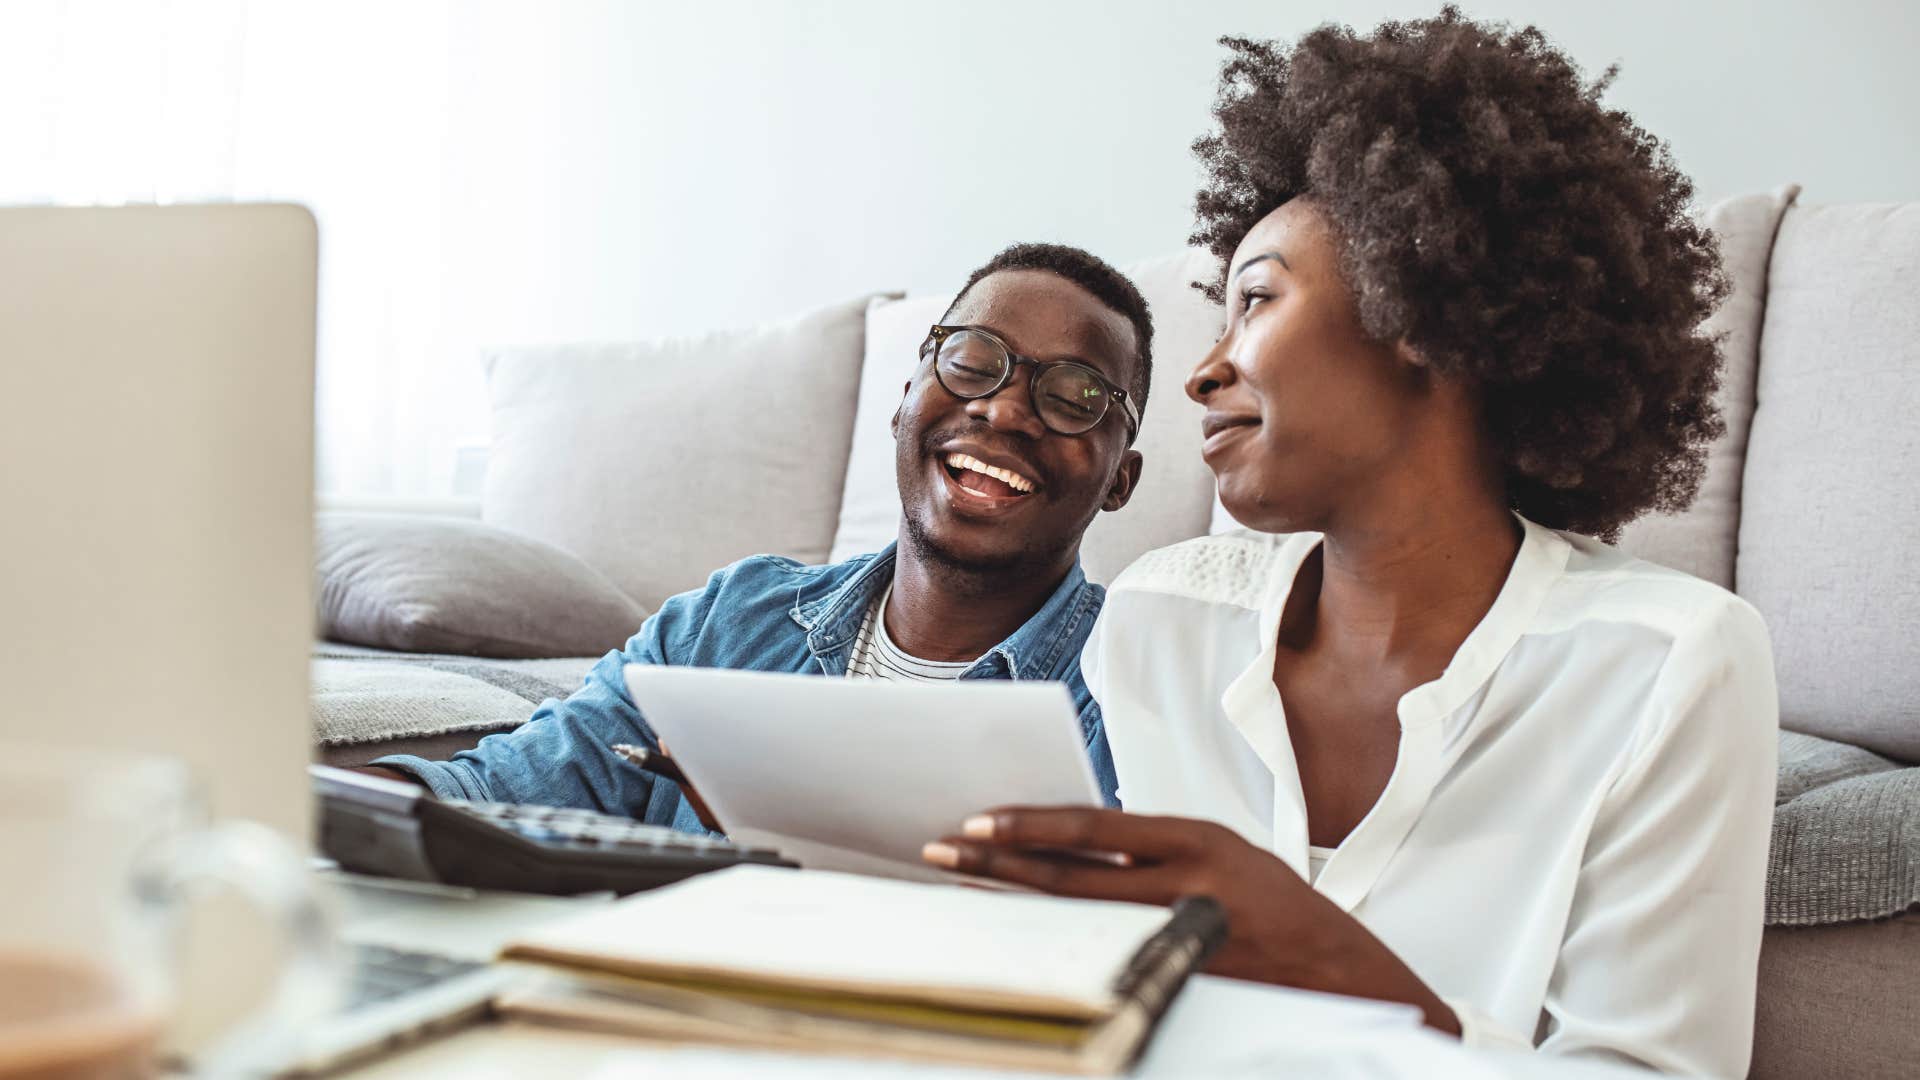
<point>622,170</point>
<point>512,171</point>
<point>632,169</point>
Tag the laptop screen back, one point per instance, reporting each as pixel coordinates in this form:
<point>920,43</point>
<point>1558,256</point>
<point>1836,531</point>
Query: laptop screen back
<point>156,464</point>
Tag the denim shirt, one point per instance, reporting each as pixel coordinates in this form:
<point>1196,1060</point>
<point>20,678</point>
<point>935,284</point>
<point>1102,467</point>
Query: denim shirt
<point>764,613</point>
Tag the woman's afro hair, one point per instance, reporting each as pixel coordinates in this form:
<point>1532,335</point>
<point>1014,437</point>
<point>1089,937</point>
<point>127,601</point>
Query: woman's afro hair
<point>1495,217</point>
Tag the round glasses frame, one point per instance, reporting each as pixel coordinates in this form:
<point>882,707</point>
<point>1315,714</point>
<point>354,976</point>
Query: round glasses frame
<point>937,335</point>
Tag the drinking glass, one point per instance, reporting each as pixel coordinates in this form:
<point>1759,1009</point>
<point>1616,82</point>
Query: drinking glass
<point>103,857</point>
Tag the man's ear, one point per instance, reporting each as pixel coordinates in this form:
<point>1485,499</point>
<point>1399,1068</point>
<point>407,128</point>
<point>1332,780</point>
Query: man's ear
<point>1125,479</point>
<point>894,424</point>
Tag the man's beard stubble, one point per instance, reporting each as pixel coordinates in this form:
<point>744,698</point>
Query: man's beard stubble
<point>970,573</point>
<point>976,568</point>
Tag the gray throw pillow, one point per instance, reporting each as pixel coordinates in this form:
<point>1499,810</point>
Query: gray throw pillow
<point>423,583</point>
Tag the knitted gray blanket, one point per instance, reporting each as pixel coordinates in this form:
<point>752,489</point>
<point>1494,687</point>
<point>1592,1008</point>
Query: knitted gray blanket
<point>1846,835</point>
<point>370,695</point>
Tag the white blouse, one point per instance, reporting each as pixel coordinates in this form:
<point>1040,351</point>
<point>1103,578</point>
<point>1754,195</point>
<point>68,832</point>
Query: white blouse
<point>1572,847</point>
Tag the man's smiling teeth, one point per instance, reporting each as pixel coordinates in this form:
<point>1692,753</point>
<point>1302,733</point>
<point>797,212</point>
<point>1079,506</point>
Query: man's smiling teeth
<point>1006,476</point>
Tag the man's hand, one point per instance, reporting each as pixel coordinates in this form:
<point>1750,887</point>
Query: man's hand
<point>1279,930</point>
<point>659,762</point>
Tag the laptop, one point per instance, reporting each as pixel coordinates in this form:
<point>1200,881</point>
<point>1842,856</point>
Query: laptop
<point>156,425</point>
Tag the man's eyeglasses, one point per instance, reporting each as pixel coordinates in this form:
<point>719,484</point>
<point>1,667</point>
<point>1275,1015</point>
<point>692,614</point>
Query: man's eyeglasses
<point>1069,398</point>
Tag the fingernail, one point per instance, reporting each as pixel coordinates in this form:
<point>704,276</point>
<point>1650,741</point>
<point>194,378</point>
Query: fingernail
<point>940,854</point>
<point>979,827</point>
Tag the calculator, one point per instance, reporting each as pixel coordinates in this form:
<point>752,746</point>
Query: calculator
<point>372,825</point>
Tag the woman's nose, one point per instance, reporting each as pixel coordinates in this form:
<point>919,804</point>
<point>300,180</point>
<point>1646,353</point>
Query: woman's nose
<point>1213,371</point>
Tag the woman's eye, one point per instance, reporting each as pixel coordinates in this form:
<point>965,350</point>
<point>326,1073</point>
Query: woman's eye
<point>1251,297</point>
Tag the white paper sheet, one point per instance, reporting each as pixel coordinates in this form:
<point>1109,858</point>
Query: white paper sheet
<point>870,768</point>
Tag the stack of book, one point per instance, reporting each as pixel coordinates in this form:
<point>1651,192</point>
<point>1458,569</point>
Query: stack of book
<point>838,963</point>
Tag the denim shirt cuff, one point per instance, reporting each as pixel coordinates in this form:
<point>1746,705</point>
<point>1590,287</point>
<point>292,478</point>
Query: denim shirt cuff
<point>444,778</point>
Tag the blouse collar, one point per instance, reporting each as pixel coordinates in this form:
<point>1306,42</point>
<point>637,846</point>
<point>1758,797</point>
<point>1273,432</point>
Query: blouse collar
<point>1253,704</point>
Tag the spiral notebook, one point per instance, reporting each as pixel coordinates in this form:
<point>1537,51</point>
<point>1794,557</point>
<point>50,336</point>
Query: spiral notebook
<point>841,963</point>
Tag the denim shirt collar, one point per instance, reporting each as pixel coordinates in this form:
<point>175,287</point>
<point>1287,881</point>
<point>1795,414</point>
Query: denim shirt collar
<point>832,618</point>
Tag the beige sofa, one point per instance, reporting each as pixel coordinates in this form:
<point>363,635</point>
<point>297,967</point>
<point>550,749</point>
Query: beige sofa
<point>655,463</point>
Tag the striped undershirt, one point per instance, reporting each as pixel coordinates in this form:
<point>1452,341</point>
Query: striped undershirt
<point>875,656</point>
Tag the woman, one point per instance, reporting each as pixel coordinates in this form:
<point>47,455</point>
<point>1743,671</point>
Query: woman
<point>1424,738</point>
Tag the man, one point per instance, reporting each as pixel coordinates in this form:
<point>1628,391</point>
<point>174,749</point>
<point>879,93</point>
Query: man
<point>1015,430</point>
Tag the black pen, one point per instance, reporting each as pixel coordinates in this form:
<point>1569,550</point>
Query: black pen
<point>652,761</point>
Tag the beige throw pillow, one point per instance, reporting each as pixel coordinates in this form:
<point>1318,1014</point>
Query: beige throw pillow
<point>659,462</point>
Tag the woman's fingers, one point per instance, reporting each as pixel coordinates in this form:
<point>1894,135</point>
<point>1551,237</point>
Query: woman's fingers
<point>1086,852</point>
<point>1086,829</point>
<point>1063,874</point>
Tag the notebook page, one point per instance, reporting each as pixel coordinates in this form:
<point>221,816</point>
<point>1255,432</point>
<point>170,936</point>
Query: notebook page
<point>827,930</point>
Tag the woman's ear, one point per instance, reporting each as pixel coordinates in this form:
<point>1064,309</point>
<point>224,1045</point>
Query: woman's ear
<point>1409,355</point>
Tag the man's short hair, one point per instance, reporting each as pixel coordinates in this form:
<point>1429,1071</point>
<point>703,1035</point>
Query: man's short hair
<point>1090,272</point>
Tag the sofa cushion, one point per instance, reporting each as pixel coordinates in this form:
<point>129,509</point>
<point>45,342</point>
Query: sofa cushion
<point>436,584</point>
<point>1839,1001</point>
<point>1174,499</point>
<point>1702,539</point>
<point>1831,499</point>
<point>1840,960</point>
<point>659,462</point>
<point>1846,835</point>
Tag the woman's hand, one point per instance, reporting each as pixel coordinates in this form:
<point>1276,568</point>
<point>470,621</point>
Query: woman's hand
<point>1279,930</point>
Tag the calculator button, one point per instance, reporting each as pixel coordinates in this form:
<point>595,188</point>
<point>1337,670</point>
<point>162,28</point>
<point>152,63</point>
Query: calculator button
<point>568,827</point>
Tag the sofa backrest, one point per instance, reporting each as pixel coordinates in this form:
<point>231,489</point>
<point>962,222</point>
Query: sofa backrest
<point>1810,502</point>
<point>1831,494</point>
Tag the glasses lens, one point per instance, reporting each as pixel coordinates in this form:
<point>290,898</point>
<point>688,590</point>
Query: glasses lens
<point>970,365</point>
<point>1071,399</point>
